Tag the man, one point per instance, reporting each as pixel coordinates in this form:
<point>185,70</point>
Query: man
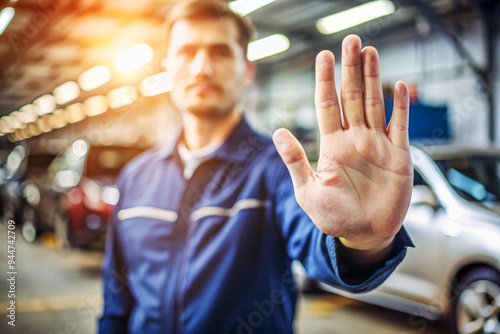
<point>207,226</point>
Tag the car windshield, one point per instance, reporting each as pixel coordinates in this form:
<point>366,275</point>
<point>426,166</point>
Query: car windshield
<point>107,161</point>
<point>474,177</point>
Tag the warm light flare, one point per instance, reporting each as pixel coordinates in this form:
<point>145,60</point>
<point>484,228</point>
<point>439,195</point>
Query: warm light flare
<point>66,92</point>
<point>94,77</point>
<point>134,58</point>
<point>46,104</point>
<point>156,84</point>
<point>122,96</point>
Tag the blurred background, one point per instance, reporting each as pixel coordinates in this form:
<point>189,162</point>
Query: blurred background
<point>82,92</point>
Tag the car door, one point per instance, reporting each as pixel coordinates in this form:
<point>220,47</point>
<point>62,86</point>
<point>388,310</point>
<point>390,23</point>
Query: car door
<point>419,276</point>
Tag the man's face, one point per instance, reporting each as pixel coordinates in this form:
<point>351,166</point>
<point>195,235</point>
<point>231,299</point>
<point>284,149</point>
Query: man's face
<point>208,67</point>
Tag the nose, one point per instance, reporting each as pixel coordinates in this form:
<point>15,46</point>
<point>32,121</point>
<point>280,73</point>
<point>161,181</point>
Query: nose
<point>201,65</point>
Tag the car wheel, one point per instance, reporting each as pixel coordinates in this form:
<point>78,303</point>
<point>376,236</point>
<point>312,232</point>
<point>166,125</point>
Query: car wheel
<point>476,303</point>
<point>29,224</point>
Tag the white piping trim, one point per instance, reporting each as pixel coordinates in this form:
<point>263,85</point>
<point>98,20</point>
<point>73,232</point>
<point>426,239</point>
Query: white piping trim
<point>243,204</point>
<point>147,212</point>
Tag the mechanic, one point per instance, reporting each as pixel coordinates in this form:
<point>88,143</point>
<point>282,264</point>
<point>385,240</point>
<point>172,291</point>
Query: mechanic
<point>207,225</point>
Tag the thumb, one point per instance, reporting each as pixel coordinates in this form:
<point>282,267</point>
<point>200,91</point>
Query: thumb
<point>293,156</point>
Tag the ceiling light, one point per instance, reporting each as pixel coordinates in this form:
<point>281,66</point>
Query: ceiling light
<point>122,96</point>
<point>45,103</point>
<point>57,119</point>
<point>79,148</point>
<point>354,16</point>
<point>28,113</point>
<point>13,121</point>
<point>5,16</point>
<point>156,84</point>
<point>66,92</point>
<point>96,105</point>
<point>4,126</point>
<point>75,112</point>
<point>244,7</point>
<point>133,58</point>
<point>267,46</point>
<point>94,77</point>
<point>44,124</point>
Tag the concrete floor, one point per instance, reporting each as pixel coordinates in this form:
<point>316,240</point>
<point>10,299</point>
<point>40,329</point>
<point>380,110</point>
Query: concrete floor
<point>58,293</point>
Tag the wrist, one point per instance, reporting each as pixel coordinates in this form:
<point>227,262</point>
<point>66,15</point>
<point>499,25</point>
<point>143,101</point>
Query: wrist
<point>369,251</point>
<point>371,245</point>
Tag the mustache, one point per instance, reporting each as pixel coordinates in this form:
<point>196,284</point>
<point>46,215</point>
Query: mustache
<point>212,85</point>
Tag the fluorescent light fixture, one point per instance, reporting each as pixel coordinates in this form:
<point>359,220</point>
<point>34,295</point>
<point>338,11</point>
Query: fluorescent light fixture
<point>156,84</point>
<point>79,148</point>
<point>267,46</point>
<point>57,119</point>
<point>75,112</point>
<point>66,92</point>
<point>244,7</point>
<point>33,130</point>
<point>13,122</point>
<point>43,124</point>
<point>122,96</point>
<point>133,58</point>
<point>46,104</point>
<point>27,113</point>
<point>94,77</point>
<point>354,16</point>
<point>4,126</point>
<point>5,16</point>
<point>96,105</point>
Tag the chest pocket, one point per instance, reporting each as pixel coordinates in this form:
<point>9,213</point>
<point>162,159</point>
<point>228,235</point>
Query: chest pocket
<point>148,233</point>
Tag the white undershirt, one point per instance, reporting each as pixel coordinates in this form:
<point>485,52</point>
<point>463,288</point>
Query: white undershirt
<point>192,159</point>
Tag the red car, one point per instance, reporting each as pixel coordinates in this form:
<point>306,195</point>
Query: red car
<point>79,196</point>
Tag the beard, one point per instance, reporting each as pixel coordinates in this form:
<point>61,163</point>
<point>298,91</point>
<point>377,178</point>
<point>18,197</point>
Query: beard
<point>210,111</point>
<point>217,104</point>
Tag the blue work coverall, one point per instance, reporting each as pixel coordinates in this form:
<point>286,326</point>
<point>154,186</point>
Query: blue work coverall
<point>212,254</point>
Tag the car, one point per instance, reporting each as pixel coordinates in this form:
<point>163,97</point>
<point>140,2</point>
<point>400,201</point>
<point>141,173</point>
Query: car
<point>21,170</point>
<point>453,273</point>
<point>78,194</point>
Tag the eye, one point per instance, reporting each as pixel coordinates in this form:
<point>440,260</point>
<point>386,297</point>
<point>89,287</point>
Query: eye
<point>220,51</point>
<point>188,51</point>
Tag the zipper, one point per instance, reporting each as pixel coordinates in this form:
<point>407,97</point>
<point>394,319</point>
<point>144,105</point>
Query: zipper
<point>181,280</point>
<point>185,253</point>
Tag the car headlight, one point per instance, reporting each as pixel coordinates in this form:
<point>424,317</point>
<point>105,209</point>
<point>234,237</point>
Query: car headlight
<point>32,194</point>
<point>110,195</point>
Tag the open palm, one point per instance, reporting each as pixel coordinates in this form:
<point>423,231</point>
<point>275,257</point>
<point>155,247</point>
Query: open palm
<point>362,187</point>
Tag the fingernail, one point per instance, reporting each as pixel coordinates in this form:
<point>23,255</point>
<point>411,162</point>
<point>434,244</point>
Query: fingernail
<point>278,137</point>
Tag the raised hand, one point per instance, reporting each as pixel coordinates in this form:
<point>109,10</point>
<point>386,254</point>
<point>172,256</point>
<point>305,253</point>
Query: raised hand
<point>362,188</point>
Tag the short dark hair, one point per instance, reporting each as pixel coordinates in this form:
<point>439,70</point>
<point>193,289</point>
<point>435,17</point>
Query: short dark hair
<point>207,9</point>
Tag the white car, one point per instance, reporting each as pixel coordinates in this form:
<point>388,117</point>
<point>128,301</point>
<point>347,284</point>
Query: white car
<point>454,271</point>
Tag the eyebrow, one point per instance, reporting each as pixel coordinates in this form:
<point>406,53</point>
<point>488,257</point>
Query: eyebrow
<point>195,45</point>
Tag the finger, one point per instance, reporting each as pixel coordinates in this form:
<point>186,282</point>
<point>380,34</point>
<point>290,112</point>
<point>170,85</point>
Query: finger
<point>326,100</point>
<point>351,92</point>
<point>293,156</point>
<point>398,126</point>
<point>373,95</point>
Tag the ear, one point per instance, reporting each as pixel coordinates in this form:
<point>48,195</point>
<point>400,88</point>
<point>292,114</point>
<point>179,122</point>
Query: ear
<point>164,64</point>
<point>250,73</point>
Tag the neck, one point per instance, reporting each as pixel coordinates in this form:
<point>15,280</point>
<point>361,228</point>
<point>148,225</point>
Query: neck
<point>201,132</point>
